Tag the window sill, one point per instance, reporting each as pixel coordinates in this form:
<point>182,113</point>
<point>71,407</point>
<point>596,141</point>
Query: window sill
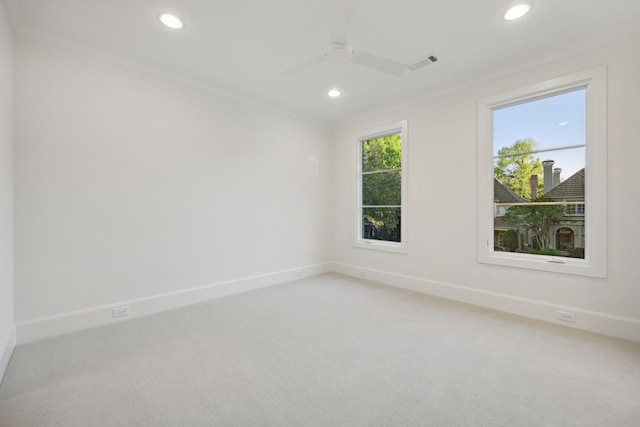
<point>379,245</point>
<point>554,264</point>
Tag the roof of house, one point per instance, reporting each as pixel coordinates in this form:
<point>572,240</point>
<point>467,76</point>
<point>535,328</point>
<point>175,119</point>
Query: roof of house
<point>570,188</point>
<point>503,194</point>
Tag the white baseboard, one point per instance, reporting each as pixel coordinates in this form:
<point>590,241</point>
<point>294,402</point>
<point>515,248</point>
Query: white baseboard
<point>7,345</point>
<point>45,327</point>
<point>36,329</point>
<point>601,323</point>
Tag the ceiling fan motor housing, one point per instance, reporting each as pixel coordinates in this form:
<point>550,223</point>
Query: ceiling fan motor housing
<point>339,53</point>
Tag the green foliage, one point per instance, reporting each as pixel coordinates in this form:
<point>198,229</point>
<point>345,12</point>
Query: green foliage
<point>382,186</point>
<point>577,253</point>
<point>510,240</point>
<point>515,171</point>
<point>382,153</point>
<point>548,252</point>
<point>381,224</point>
<point>536,218</point>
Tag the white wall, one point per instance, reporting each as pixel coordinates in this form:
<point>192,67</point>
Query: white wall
<point>129,185</point>
<point>442,203</point>
<point>7,330</point>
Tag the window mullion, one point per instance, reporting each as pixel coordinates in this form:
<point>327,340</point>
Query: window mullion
<point>381,171</point>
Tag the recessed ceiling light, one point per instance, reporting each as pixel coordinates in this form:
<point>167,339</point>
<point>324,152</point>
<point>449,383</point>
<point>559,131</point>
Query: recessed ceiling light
<point>334,93</point>
<point>171,21</point>
<point>517,12</point>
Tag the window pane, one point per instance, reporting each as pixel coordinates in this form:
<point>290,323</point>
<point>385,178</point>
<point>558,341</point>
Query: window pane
<point>541,228</point>
<point>548,174</point>
<point>515,172</point>
<point>382,188</point>
<point>382,153</point>
<point>381,224</point>
<point>552,122</point>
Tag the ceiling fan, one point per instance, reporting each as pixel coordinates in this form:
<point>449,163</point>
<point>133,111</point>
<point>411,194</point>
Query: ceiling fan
<point>340,52</point>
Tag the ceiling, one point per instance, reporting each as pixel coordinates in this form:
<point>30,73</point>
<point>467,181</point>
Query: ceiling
<point>243,47</point>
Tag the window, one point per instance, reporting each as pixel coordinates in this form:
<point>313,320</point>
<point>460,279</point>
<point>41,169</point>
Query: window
<point>382,182</point>
<point>542,174</point>
<point>576,210</point>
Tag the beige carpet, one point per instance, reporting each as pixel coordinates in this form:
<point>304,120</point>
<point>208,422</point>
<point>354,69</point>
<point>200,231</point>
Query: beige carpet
<point>325,351</point>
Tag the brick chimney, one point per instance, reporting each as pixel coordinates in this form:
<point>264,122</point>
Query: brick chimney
<point>534,186</point>
<point>556,177</point>
<point>547,166</point>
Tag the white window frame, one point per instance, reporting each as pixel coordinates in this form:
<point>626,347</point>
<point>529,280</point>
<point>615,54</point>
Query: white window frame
<point>595,262</point>
<point>359,242</point>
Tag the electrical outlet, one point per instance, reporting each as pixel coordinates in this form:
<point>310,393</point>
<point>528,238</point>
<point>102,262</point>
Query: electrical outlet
<point>299,273</point>
<point>120,311</point>
<point>566,316</point>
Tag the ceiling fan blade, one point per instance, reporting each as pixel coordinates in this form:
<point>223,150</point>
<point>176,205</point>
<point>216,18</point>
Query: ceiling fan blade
<point>305,65</point>
<point>378,63</point>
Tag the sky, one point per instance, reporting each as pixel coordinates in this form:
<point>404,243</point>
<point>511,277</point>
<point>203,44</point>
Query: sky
<point>553,122</point>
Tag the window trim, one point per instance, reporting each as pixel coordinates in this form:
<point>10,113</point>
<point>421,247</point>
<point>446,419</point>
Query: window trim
<point>358,242</point>
<point>595,262</point>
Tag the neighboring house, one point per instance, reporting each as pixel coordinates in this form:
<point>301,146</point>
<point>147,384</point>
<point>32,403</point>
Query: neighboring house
<point>566,235</point>
<point>502,194</point>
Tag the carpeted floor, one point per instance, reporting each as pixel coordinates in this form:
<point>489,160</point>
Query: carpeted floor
<point>325,351</point>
